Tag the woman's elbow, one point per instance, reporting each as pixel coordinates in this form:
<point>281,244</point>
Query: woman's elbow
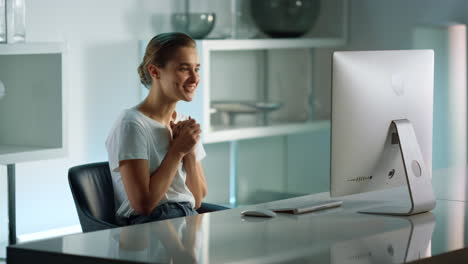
<point>201,194</point>
<point>197,204</point>
<point>199,200</point>
<point>142,208</point>
<point>143,211</point>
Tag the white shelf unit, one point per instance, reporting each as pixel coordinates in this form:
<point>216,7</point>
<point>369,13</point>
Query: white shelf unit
<point>270,43</point>
<point>264,131</point>
<point>330,31</point>
<point>32,113</point>
<point>200,107</point>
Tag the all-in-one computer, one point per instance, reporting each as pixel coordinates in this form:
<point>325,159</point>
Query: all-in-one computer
<point>381,127</point>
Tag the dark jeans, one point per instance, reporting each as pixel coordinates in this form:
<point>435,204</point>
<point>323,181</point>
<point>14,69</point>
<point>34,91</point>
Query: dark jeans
<point>163,212</point>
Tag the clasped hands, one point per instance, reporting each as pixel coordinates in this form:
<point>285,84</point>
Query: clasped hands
<point>185,135</point>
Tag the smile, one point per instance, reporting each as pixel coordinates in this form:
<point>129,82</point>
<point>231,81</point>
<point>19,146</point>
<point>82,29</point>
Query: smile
<point>189,88</point>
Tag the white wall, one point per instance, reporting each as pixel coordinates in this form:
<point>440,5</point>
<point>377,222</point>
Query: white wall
<point>389,24</point>
<point>381,25</point>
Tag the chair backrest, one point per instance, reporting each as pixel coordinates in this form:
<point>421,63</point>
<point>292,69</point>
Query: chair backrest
<point>91,186</point>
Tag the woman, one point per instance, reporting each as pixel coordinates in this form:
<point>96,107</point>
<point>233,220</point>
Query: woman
<point>154,151</point>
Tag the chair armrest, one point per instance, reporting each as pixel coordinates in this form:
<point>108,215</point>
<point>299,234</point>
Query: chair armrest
<point>91,223</point>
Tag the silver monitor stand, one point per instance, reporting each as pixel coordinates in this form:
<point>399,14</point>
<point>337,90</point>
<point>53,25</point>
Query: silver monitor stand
<point>417,177</point>
<point>410,242</point>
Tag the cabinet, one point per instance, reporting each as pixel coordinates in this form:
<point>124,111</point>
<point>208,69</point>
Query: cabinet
<point>32,111</point>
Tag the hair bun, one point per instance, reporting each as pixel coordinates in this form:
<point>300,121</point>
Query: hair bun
<point>143,78</point>
<point>160,50</point>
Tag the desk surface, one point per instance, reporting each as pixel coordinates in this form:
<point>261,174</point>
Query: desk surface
<point>339,235</point>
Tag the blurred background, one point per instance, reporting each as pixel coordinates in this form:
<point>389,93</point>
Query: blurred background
<point>103,42</point>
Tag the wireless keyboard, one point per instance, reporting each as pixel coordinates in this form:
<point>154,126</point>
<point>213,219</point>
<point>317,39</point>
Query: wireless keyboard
<point>309,207</point>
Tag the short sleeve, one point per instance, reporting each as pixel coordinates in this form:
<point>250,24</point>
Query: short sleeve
<point>133,144</point>
<point>128,142</point>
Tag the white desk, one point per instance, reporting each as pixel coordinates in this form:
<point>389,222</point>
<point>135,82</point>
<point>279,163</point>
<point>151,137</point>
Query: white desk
<point>335,236</point>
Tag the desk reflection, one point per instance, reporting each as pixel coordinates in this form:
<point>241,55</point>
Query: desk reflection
<point>180,240</point>
<point>406,244</point>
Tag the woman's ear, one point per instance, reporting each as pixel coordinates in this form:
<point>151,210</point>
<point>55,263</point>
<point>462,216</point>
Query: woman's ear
<point>154,71</point>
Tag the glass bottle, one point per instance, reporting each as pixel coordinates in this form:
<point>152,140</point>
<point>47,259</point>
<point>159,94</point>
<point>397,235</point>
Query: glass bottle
<point>241,24</point>
<point>3,29</point>
<point>16,21</point>
<point>2,90</point>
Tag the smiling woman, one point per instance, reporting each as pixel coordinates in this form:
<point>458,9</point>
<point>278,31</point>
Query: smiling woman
<point>155,152</point>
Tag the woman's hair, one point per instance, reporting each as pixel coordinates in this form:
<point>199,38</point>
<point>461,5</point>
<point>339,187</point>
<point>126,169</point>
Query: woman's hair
<point>160,50</point>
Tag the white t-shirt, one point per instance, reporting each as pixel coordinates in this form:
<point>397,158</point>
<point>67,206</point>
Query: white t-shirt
<point>136,136</point>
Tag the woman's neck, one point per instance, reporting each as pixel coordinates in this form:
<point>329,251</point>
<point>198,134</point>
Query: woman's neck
<point>157,108</point>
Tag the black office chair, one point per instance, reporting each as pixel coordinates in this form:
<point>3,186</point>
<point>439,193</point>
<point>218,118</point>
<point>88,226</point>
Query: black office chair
<point>91,187</point>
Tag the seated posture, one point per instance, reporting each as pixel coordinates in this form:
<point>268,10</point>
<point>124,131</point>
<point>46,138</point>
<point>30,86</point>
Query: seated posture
<point>155,152</point>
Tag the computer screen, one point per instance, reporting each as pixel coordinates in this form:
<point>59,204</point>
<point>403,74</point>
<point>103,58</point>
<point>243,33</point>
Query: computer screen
<point>372,91</point>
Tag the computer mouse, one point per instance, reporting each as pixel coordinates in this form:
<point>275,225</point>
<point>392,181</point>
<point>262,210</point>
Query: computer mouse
<point>259,213</point>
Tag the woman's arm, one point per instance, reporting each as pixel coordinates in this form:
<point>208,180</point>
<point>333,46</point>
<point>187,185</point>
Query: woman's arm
<point>144,191</point>
<point>195,180</point>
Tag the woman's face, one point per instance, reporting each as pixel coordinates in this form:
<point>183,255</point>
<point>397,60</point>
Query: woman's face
<point>179,78</point>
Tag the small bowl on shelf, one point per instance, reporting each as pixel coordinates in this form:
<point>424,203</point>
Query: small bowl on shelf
<point>285,18</point>
<point>196,25</point>
<point>230,109</point>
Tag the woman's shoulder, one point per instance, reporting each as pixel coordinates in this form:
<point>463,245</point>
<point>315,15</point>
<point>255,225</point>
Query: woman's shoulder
<point>129,116</point>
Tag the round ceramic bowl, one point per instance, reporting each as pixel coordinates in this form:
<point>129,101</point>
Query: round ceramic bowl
<point>197,25</point>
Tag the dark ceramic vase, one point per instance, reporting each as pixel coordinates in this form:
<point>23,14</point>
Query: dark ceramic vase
<point>285,18</point>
